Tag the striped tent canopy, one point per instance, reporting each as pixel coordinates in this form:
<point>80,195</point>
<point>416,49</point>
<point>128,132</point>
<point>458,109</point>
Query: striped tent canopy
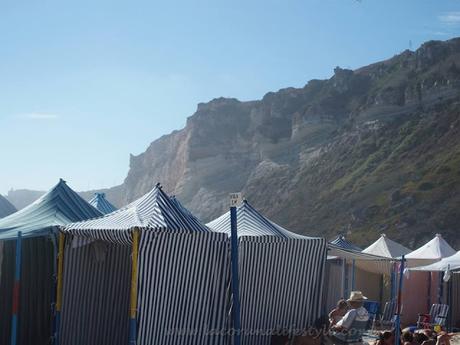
<point>342,242</point>
<point>153,212</point>
<point>6,208</point>
<point>60,206</point>
<point>100,202</point>
<point>251,223</point>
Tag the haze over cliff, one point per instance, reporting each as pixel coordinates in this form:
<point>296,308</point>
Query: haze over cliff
<point>367,151</point>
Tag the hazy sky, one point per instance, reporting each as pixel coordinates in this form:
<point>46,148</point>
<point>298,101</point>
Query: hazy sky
<point>85,83</point>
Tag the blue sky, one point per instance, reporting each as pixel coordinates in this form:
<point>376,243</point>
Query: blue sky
<point>85,83</point>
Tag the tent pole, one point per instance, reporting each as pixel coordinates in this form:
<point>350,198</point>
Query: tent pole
<point>60,271</point>
<point>428,301</point>
<point>353,273</point>
<point>134,280</point>
<point>235,279</point>
<point>393,282</point>
<point>398,310</point>
<point>16,290</point>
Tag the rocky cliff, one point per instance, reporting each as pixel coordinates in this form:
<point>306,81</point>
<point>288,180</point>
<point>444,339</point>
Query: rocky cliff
<point>367,151</point>
<point>372,150</point>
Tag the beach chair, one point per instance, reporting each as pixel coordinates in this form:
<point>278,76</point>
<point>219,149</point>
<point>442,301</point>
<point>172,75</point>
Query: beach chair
<point>353,336</point>
<point>437,316</point>
<point>372,308</point>
<point>387,319</point>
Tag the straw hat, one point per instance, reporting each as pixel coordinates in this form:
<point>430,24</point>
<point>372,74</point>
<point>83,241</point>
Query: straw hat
<point>356,296</point>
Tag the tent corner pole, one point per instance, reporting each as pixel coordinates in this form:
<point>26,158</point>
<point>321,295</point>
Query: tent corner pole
<point>133,295</point>
<point>398,310</point>
<point>60,284</point>
<point>16,290</point>
<point>235,278</point>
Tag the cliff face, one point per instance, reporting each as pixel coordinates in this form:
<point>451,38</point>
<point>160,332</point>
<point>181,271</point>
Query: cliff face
<point>367,151</point>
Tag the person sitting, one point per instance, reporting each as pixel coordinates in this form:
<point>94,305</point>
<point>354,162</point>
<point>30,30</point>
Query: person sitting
<point>385,338</point>
<point>407,338</point>
<point>356,312</point>
<point>338,312</point>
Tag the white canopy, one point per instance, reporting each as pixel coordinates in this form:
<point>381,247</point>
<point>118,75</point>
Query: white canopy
<point>451,263</point>
<point>433,251</point>
<point>386,248</point>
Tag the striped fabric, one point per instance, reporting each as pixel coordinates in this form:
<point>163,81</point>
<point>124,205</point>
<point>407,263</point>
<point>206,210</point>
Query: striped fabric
<point>6,208</point>
<point>102,204</point>
<point>60,206</point>
<point>281,285</point>
<point>250,223</point>
<point>152,212</point>
<point>37,222</point>
<point>96,294</point>
<point>184,289</point>
<point>342,242</point>
<point>281,275</point>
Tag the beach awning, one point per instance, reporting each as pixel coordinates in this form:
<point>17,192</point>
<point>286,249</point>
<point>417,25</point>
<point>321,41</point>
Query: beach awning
<point>433,251</point>
<point>386,248</point>
<point>60,206</point>
<point>6,208</point>
<point>152,212</point>
<point>100,202</point>
<point>451,263</point>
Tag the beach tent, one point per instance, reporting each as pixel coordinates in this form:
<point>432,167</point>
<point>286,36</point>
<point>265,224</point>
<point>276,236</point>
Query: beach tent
<point>387,248</point>
<point>177,267</point>
<point>100,202</point>
<point>6,208</point>
<point>421,289</point>
<point>342,242</point>
<point>38,224</point>
<point>432,251</point>
<point>446,267</point>
<point>281,274</point>
<point>351,269</point>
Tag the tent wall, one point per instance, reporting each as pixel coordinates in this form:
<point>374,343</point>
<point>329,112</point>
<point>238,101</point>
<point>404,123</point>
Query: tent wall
<point>36,291</point>
<point>334,283</point>
<point>415,295</point>
<point>281,285</point>
<point>184,295</point>
<point>455,303</point>
<point>369,283</point>
<point>95,307</point>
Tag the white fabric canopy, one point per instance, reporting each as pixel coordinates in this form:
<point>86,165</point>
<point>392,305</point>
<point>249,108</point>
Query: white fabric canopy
<point>451,263</point>
<point>433,251</point>
<point>386,248</point>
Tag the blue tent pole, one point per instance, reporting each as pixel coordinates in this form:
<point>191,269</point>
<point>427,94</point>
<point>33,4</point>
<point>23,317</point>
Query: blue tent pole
<point>353,273</point>
<point>16,290</point>
<point>398,310</point>
<point>235,280</point>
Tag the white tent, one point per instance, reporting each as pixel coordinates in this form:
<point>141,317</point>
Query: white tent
<point>386,248</point>
<point>433,251</point>
<point>451,263</point>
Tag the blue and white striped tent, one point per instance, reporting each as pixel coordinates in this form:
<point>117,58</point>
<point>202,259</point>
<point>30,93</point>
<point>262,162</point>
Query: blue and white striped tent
<point>6,208</point>
<point>183,277</point>
<point>342,242</point>
<point>38,224</point>
<point>281,275</point>
<point>100,202</point>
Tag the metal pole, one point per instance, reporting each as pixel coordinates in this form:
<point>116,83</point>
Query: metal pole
<point>16,290</point>
<point>134,281</point>
<point>353,273</point>
<point>398,310</point>
<point>60,281</point>
<point>393,281</point>
<point>235,279</point>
